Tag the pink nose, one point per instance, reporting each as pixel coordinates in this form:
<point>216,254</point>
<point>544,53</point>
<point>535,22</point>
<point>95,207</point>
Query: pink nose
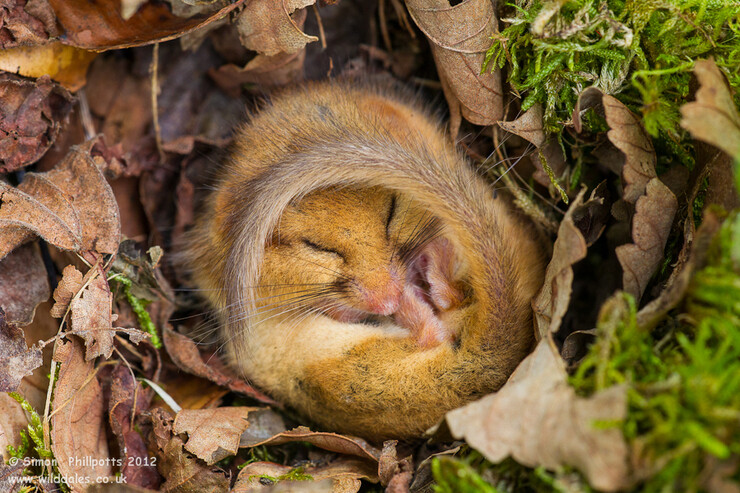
<point>384,297</point>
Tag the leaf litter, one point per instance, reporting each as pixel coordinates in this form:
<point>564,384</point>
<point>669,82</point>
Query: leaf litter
<point>141,177</point>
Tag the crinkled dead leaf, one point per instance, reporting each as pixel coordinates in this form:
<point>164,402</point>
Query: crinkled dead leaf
<point>528,126</point>
<point>713,117</point>
<point>70,284</point>
<point>334,442</point>
<point>64,64</point>
<point>182,472</point>
<point>265,71</point>
<point>91,316</point>
<point>78,418</point>
<point>72,207</point>
<point>459,36</point>
<point>551,302</point>
<point>213,434</point>
<point>127,401</point>
<point>26,22</point>
<point>270,27</point>
<point>16,359</point>
<point>185,355</point>
<point>628,135</point>
<point>651,225</point>
<point>23,284</point>
<point>31,114</point>
<point>12,422</point>
<point>394,473</point>
<point>343,476</point>
<point>100,26</point>
<point>537,419</point>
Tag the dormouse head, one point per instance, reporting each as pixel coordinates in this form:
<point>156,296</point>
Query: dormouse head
<point>341,252</point>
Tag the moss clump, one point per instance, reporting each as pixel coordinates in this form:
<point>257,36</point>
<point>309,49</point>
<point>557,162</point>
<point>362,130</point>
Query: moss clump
<point>683,382</point>
<point>640,51</point>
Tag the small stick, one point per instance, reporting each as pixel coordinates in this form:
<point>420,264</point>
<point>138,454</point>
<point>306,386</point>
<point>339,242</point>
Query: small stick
<point>153,69</point>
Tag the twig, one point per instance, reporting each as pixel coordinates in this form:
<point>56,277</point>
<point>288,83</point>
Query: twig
<point>322,34</point>
<point>153,69</point>
<point>85,115</point>
<point>384,26</point>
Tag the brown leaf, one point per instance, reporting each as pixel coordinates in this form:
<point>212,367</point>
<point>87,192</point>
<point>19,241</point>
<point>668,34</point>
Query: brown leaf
<point>342,476</point>
<point>628,135</point>
<point>99,25</point>
<point>91,316</point>
<point>31,113</point>
<point>78,421</point>
<point>273,27</point>
<point>265,71</point>
<point>342,444</point>
<point>713,117</point>
<point>183,473</point>
<point>125,394</point>
<point>459,36</point>
<point>213,434</point>
<point>26,22</point>
<point>16,359</point>
<point>538,420</point>
<point>66,289</point>
<point>185,355</point>
<point>12,422</point>
<point>64,64</point>
<point>23,284</point>
<point>551,302</point>
<point>394,473</point>
<point>650,228</point>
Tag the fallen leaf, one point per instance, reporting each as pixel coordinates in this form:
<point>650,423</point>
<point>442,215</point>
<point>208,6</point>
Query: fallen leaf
<point>394,473</point>
<point>264,71</point>
<point>528,126</point>
<point>100,26</point>
<point>23,284</point>
<point>12,422</point>
<point>66,65</point>
<point>273,27</point>
<point>650,228</point>
<point>185,355</point>
<point>16,359</point>
<point>537,419</point>
<point>263,425</point>
<point>127,393</point>
<point>551,302</point>
<point>91,316</point>
<point>31,113</point>
<point>182,473</point>
<point>344,475</point>
<point>78,436</point>
<point>70,284</point>
<point>459,36</point>
<point>26,22</point>
<point>213,434</point>
<point>713,117</point>
<point>628,135</point>
<point>334,442</point>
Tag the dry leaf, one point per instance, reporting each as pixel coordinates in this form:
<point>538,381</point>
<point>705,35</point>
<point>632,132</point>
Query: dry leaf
<point>66,289</point>
<point>26,22</point>
<point>650,228</point>
<point>459,36</point>
<point>125,393</point>
<point>213,434</point>
<point>12,422</point>
<point>265,71</point>
<point>394,473</point>
<point>64,64</point>
<point>182,472</point>
<point>185,355</point>
<point>342,444</point>
<point>538,420</point>
<point>16,359</point>
<point>344,475</point>
<point>271,27</point>
<point>628,135</point>
<point>91,316</point>
<point>99,25</point>
<point>551,302</point>
<point>23,284</point>
<point>31,113</point>
<point>78,419</point>
<point>713,117</point>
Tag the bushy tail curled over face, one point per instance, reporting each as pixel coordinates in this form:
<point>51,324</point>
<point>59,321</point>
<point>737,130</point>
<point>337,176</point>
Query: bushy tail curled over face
<point>334,136</point>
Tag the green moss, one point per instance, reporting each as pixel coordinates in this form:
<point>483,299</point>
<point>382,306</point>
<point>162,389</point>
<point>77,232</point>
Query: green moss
<point>139,308</point>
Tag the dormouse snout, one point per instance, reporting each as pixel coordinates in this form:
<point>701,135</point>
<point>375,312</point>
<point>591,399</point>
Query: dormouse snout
<point>381,292</point>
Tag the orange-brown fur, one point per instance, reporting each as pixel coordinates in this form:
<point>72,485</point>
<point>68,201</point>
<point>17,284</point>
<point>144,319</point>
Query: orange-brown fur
<point>318,143</point>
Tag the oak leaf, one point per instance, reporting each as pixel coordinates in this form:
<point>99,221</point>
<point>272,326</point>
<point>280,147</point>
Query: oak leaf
<point>213,434</point>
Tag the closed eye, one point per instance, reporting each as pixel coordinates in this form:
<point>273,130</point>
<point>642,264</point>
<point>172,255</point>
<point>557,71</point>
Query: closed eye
<point>391,211</point>
<point>319,248</point>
